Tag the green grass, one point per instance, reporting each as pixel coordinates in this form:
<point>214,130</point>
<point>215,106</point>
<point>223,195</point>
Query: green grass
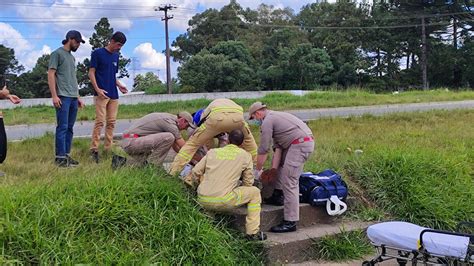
<point>417,167</point>
<point>342,247</point>
<point>276,101</point>
<point>93,215</point>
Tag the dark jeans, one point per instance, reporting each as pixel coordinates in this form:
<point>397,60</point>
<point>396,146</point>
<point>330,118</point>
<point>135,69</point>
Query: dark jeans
<point>3,141</point>
<point>65,117</point>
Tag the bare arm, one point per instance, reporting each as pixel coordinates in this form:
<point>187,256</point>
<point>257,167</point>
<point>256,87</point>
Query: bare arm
<point>178,143</point>
<point>261,158</point>
<point>93,80</point>
<point>276,158</point>
<point>52,87</point>
<point>121,87</point>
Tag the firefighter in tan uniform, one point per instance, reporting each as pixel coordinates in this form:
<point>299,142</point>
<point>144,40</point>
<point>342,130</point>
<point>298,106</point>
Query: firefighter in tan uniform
<point>293,143</point>
<point>218,175</point>
<point>221,115</point>
<point>150,138</point>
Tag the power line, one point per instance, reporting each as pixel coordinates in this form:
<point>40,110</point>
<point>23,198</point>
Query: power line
<point>91,6</point>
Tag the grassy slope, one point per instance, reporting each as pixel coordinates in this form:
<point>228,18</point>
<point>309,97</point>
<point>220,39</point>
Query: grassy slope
<point>93,215</point>
<point>279,101</point>
<point>416,167</point>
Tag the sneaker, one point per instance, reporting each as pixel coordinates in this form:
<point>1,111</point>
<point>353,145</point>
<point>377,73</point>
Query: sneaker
<point>260,236</point>
<point>61,162</point>
<point>95,156</point>
<point>2,174</point>
<point>118,161</point>
<point>71,161</point>
<point>284,227</point>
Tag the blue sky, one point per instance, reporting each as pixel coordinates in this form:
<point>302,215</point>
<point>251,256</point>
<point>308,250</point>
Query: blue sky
<point>36,27</point>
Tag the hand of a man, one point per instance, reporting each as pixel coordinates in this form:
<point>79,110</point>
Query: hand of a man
<point>102,93</point>
<point>14,99</point>
<point>257,173</point>
<point>123,89</point>
<point>80,103</point>
<point>4,92</point>
<point>57,102</point>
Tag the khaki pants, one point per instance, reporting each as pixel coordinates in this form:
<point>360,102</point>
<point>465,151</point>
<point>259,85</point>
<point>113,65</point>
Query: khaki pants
<point>293,160</point>
<point>152,148</point>
<point>105,113</point>
<point>238,197</point>
<point>215,124</point>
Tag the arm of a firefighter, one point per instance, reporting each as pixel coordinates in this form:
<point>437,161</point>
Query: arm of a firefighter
<point>247,173</point>
<point>199,169</point>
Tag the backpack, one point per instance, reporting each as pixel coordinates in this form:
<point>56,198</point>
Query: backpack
<point>324,188</point>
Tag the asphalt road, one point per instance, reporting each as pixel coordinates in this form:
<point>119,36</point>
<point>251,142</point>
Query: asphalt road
<point>84,129</point>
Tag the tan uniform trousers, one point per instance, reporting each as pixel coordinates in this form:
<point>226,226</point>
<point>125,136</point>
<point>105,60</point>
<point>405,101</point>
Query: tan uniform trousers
<point>214,125</point>
<point>289,176</point>
<point>105,113</point>
<point>151,148</point>
<point>238,197</point>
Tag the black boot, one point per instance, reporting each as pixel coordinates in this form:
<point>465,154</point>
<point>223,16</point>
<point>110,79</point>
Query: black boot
<point>284,227</point>
<point>118,161</point>
<point>260,236</point>
<point>276,199</point>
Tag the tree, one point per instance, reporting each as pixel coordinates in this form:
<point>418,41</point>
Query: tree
<point>8,61</point>
<point>215,72</point>
<point>341,45</point>
<point>208,28</point>
<point>146,82</point>
<point>301,67</point>
<point>34,83</point>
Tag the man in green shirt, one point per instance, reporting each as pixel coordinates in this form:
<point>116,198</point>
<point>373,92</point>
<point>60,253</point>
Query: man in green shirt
<point>64,89</point>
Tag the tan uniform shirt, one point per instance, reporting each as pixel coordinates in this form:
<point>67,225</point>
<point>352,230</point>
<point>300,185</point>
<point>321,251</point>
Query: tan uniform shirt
<point>221,169</point>
<point>283,128</point>
<point>221,105</point>
<point>155,123</point>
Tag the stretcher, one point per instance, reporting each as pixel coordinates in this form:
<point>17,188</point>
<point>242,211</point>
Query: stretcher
<point>411,244</point>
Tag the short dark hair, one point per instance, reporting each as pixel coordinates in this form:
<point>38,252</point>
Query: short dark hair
<point>119,37</point>
<point>236,137</point>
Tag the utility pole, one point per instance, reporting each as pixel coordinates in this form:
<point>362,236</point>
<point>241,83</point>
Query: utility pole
<point>165,8</point>
<point>423,54</point>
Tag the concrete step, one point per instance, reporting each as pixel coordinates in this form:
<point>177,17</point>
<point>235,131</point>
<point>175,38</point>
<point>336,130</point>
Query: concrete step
<point>273,215</point>
<point>342,263</point>
<point>296,246</point>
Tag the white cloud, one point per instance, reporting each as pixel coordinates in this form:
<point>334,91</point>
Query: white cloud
<point>29,60</point>
<point>149,57</point>
<point>26,56</point>
<point>82,15</point>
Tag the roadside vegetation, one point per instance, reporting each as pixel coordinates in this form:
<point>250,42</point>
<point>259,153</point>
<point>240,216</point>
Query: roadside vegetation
<point>277,101</point>
<point>416,167</point>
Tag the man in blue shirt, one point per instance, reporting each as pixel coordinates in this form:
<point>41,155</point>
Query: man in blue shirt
<point>102,73</point>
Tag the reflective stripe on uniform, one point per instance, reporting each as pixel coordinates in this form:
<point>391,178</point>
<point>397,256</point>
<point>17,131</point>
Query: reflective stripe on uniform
<point>227,109</point>
<point>229,152</point>
<point>185,155</point>
<point>253,207</point>
<point>223,199</point>
<point>253,152</point>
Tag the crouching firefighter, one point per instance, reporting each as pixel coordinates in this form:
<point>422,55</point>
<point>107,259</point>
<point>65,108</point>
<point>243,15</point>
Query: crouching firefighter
<point>218,175</point>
